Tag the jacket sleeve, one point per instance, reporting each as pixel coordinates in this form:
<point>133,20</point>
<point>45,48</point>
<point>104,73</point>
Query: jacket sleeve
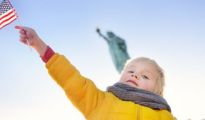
<point>81,91</point>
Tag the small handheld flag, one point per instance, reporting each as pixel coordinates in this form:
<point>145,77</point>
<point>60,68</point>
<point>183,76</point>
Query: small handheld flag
<point>7,13</point>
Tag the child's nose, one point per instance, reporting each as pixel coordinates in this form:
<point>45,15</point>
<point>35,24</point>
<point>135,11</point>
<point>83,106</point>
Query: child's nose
<point>135,76</point>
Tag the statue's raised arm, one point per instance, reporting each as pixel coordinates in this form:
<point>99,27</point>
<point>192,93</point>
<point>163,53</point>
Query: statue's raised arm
<point>117,48</point>
<point>101,35</point>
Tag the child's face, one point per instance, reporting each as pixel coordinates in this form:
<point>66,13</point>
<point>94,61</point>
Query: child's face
<point>140,74</point>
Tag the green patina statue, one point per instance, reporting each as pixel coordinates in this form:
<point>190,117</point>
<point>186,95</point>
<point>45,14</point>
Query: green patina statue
<point>117,48</point>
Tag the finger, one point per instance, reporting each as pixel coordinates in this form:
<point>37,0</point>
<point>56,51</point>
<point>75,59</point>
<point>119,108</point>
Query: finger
<point>19,27</point>
<point>22,29</point>
<point>23,36</point>
<point>24,41</point>
<point>22,32</point>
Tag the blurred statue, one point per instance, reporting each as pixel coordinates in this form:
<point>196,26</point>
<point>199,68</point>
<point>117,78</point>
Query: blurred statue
<point>117,48</point>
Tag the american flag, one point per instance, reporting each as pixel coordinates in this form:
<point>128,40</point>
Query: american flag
<point>7,13</point>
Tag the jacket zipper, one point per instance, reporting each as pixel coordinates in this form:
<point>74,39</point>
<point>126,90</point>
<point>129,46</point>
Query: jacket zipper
<point>138,112</point>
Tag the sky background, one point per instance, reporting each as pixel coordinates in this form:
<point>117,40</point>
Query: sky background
<point>172,32</point>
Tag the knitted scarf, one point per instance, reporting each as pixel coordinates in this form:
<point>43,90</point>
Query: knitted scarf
<point>139,96</point>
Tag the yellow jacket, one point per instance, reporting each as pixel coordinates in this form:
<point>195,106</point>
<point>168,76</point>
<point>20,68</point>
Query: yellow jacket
<point>94,103</point>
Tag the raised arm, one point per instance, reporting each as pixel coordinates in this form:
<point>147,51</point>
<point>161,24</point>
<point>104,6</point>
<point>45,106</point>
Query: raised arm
<point>80,90</point>
<point>101,35</point>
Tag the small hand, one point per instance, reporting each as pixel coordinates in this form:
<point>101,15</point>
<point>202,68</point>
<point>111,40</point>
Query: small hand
<point>29,37</point>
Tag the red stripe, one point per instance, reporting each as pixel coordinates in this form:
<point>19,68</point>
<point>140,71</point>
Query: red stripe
<point>7,23</point>
<point>8,19</point>
<point>5,15</point>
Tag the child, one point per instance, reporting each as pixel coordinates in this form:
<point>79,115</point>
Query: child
<point>137,96</point>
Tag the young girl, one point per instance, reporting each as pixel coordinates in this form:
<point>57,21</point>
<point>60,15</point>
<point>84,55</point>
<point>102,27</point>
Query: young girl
<point>137,95</point>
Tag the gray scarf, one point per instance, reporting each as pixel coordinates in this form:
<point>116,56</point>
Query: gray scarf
<point>139,96</point>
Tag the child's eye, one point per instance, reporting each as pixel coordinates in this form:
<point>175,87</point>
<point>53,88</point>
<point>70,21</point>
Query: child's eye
<point>145,77</point>
<point>130,71</point>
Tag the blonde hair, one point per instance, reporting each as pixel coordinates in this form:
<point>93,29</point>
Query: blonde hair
<point>160,82</point>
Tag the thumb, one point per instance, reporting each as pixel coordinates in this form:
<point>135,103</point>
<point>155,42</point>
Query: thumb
<point>22,28</point>
<point>19,27</point>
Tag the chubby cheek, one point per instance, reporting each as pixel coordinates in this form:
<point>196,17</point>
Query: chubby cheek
<point>148,86</point>
<point>123,78</point>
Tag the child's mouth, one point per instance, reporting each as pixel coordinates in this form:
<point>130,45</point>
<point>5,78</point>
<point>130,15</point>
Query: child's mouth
<point>133,82</point>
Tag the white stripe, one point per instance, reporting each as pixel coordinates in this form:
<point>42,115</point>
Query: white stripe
<point>13,13</point>
<point>7,22</point>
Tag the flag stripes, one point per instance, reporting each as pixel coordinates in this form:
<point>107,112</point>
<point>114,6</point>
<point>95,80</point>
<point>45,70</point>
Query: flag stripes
<point>7,13</point>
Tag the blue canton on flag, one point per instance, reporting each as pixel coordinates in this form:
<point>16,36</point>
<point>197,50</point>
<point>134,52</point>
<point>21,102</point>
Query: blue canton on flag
<point>7,13</point>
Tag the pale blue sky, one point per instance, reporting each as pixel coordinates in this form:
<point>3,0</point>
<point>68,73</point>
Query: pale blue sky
<point>171,32</point>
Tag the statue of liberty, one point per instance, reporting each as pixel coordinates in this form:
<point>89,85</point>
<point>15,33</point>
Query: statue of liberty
<point>117,48</point>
